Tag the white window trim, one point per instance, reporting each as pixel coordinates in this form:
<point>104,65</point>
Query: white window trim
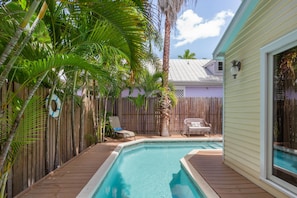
<point>266,111</point>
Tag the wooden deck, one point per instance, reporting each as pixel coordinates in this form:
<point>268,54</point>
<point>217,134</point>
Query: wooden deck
<point>69,179</point>
<point>223,180</point>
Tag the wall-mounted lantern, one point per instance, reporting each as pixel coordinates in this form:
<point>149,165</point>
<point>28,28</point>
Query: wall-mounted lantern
<point>236,66</point>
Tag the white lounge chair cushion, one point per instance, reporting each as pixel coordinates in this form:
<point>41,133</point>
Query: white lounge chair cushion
<point>191,129</point>
<point>195,124</point>
<point>126,133</point>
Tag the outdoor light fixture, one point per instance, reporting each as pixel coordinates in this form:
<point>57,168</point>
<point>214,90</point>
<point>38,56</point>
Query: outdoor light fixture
<point>236,65</point>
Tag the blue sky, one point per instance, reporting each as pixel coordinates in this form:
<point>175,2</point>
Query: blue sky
<point>200,26</point>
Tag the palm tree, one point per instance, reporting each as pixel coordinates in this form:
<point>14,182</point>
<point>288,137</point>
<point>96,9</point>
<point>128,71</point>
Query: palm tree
<point>27,133</point>
<point>150,85</point>
<point>170,9</point>
<point>187,55</point>
<point>10,46</point>
<point>112,28</point>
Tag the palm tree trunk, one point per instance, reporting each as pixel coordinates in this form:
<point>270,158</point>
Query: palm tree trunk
<point>47,146</point>
<point>3,182</point>
<point>95,110</point>
<point>17,122</point>
<point>104,118</point>
<point>57,160</point>
<point>165,115</point>
<point>100,118</point>
<point>82,115</point>
<point>17,36</point>
<point>57,140</point>
<point>74,151</point>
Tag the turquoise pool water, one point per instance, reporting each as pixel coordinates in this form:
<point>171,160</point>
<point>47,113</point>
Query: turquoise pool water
<point>152,169</point>
<point>285,160</point>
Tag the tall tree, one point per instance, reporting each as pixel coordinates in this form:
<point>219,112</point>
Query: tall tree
<point>16,37</point>
<point>112,28</point>
<point>170,9</point>
<point>187,55</point>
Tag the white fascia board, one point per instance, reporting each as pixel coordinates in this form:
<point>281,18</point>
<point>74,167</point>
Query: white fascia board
<point>243,13</point>
<point>198,83</point>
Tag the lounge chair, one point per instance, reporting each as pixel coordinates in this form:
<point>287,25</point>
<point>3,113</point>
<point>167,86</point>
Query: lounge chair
<point>196,126</point>
<point>116,126</point>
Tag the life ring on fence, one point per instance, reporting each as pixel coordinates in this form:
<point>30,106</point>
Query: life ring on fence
<point>57,100</point>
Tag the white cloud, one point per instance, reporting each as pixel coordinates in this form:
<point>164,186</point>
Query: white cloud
<point>191,27</point>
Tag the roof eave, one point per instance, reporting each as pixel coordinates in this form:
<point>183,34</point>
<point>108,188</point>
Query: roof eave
<point>198,83</point>
<point>243,13</point>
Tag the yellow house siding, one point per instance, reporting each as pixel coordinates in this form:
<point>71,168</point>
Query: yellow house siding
<point>270,20</point>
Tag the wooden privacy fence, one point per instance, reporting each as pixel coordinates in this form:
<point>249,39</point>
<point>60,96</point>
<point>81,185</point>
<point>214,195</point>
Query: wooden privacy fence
<point>146,121</point>
<point>38,159</point>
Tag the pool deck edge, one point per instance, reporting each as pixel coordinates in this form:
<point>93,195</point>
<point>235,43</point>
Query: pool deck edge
<point>90,188</point>
<point>70,179</point>
<point>225,181</point>
<point>194,174</point>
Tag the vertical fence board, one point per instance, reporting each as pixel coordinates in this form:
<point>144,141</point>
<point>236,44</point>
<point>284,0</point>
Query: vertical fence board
<point>30,165</point>
<point>146,121</point>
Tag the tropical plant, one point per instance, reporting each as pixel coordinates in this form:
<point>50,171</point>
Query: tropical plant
<point>100,31</point>
<point>138,101</point>
<point>170,9</point>
<point>27,132</point>
<point>150,85</point>
<point>187,55</point>
<point>10,46</point>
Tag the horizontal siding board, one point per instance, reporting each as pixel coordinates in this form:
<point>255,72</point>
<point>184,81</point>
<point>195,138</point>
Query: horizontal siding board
<point>270,21</point>
<point>251,161</point>
<point>251,103</point>
<point>246,166</point>
<point>237,127</point>
<point>250,137</point>
<point>248,109</point>
<point>247,117</point>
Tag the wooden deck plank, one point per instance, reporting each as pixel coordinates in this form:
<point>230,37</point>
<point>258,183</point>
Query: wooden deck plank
<point>223,180</point>
<point>69,179</point>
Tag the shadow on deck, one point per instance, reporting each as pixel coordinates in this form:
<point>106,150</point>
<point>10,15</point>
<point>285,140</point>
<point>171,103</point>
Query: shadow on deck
<point>71,177</point>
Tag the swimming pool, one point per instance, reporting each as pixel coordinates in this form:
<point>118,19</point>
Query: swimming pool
<point>148,168</point>
<point>285,160</point>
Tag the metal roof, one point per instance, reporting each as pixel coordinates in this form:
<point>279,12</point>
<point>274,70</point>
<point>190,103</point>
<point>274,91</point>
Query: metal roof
<point>192,72</point>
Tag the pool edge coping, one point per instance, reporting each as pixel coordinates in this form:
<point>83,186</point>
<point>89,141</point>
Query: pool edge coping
<point>195,175</point>
<point>90,188</point>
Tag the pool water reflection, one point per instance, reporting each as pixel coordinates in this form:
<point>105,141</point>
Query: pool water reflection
<point>152,170</point>
<point>285,160</point>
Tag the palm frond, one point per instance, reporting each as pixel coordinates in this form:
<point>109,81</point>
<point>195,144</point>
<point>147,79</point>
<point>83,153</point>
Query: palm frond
<point>35,68</point>
<point>30,129</point>
<point>126,24</point>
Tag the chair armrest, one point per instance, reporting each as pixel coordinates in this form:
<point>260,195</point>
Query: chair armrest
<point>207,124</point>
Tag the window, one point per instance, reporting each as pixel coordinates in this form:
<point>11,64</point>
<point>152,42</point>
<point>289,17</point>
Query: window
<point>220,66</point>
<point>279,112</point>
<point>285,116</point>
